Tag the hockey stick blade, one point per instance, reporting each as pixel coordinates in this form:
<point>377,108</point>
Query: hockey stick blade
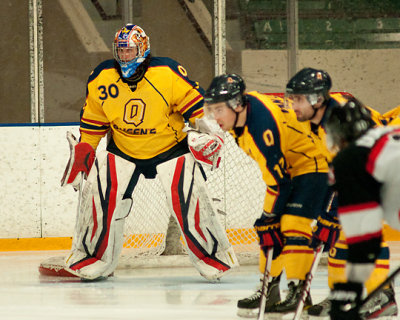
<point>381,286</point>
<point>264,289</point>
<point>307,284</point>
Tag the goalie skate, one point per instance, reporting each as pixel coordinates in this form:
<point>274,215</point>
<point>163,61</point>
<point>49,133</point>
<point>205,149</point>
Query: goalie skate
<point>54,267</point>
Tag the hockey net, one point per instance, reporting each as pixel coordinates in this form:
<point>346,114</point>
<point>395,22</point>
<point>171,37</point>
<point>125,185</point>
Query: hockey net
<point>152,236</point>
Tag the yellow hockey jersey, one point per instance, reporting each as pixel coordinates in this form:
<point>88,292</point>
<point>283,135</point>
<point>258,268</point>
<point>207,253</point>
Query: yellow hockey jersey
<point>147,121</point>
<point>280,144</point>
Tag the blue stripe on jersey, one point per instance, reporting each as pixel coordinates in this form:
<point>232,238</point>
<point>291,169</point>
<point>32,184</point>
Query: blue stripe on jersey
<point>259,120</point>
<point>108,64</point>
<point>156,90</point>
<point>188,113</point>
<point>93,127</point>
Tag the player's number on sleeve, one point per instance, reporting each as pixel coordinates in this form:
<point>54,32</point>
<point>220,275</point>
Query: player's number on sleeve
<point>280,167</point>
<point>111,90</point>
<point>268,138</point>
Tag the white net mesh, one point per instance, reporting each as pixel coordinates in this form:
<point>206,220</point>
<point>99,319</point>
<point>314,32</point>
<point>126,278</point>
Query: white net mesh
<point>238,191</point>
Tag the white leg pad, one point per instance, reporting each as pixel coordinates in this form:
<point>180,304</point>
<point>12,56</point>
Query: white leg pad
<point>98,238</point>
<point>206,240</point>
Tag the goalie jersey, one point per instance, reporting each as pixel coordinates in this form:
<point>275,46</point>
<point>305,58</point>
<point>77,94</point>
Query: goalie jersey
<point>281,145</point>
<point>145,121</point>
<point>367,178</point>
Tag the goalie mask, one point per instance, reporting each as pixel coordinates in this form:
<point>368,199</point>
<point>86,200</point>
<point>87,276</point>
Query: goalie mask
<point>311,83</point>
<point>346,123</point>
<point>131,47</point>
<point>227,88</point>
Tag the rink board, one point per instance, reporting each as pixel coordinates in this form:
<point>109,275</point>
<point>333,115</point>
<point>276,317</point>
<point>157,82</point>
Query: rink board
<point>36,212</point>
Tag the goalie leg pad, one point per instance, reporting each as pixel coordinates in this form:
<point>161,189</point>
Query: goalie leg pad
<point>98,237</point>
<point>205,238</point>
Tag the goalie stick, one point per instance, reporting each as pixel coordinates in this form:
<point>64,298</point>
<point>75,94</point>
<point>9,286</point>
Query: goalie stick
<point>264,288</point>
<point>55,266</point>
<point>307,284</point>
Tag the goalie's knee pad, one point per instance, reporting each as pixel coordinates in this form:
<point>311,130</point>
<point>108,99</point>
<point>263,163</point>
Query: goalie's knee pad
<point>205,238</point>
<point>98,236</point>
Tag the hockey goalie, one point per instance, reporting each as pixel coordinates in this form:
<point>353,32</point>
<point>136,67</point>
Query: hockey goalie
<point>142,103</point>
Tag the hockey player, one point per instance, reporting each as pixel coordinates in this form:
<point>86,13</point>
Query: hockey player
<point>308,93</point>
<point>295,174</point>
<point>367,179</point>
<point>142,102</point>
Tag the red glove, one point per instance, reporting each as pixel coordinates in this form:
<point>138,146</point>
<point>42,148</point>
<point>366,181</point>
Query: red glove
<point>81,160</point>
<point>269,232</point>
<point>326,231</point>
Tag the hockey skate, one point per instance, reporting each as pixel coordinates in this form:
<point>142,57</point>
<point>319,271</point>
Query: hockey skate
<point>290,303</point>
<point>382,305</point>
<point>320,310</point>
<point>248,307</point>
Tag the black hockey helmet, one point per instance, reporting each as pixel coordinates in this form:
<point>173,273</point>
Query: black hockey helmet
<point>227,88</point>
<point>347,122</point>
<point>309,81</point>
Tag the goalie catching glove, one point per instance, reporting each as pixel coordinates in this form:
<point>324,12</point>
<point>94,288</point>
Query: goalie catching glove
<point>81,160</point>
<point>205,148</point>
<point>268,228</point>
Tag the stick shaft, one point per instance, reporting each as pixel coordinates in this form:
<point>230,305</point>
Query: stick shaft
<point>264,288</point>
<point>381,286</point>
<point>307,284</point>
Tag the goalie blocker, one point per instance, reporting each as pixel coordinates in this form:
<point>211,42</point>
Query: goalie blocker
<point>107,202</point>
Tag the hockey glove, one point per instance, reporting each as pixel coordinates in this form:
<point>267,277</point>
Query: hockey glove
<point>268,228</point>
<point>345,301</point>
<point>326,231</point>
<point>205,148</point>
<point>81,160</point>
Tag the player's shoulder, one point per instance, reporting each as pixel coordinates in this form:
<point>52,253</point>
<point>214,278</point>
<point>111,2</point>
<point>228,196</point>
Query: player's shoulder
<point>162,61</point>
<point>268,101</point>
<point>369,139</point>
<point>169,63</point>
<point>263,111</point>
<point>103,66</point>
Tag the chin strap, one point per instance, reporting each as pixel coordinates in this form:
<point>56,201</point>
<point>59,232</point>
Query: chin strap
<point>245,104</point>
<point>324,104</point>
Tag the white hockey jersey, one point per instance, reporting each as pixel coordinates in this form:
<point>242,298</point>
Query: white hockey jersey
<point>367,179</point>
<point>384,165</point>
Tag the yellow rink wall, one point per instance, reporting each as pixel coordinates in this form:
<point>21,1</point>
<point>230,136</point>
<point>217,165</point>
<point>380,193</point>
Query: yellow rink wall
<point>37,214</point>
<point>64,243</point>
